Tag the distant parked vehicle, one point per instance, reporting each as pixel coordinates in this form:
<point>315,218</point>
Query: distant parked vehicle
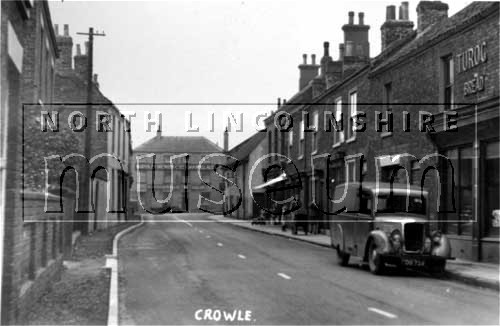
<point>386,225</point>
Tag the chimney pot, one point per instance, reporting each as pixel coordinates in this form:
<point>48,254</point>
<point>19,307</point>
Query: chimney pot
<point>65,44</point>
<point>390,13</point>
<point>326,47</point>
<point>361,18</point>
<point>404,5</point>
<point>313,57</point>
<point>78,49</point>
<point>226,140</point>
<point>87,47</point>
<point>279,102</point>
<point>351,17</point>
<point>304,56</point>
<point>66,30</point>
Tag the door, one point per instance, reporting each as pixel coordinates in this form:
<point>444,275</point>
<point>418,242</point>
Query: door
<point>258,202</point>
<point>364,222</point>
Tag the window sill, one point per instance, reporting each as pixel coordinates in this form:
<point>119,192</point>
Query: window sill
<point>337,145</point>
<point>300,157</point>
<point>385,134</point>
<point>350,140</point>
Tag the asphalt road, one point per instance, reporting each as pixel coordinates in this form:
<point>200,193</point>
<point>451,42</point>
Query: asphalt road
<point>176,271</point>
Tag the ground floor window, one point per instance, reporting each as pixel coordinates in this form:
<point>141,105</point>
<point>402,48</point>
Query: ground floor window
<point>492,193</point>
<point>459,185</point>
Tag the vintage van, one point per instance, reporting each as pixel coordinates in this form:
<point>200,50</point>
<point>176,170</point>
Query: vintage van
<point>385,224</point>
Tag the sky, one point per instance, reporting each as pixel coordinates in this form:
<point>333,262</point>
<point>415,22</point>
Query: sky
<point>201,60</point>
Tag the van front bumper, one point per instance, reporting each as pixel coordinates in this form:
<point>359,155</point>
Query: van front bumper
<point>414,260</point>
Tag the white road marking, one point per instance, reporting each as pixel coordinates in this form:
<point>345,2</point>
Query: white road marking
<point>201,231</point>
<point>219,244</point>
<point>183,221</point>
<point>286,277</point>
<point>242,257</point>
<point>383,313</point>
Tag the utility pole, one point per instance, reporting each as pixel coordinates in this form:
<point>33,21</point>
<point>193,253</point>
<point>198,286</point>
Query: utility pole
<point>88,135</point>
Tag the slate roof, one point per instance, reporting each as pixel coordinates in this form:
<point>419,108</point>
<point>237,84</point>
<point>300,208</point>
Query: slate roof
<point>243,149</point>
<point>179,144</point>
<point>437,32</point>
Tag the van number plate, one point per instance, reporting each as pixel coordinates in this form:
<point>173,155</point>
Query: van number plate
<point>413,262</point>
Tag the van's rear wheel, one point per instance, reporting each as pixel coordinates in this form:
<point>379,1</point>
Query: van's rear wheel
<point>375,261</point>
<point>342,257</point>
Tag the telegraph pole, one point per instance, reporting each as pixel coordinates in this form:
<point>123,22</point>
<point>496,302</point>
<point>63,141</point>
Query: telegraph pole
<point>88,135</point>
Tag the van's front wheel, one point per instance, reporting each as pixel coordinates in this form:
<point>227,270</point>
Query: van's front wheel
<point>375,261</point>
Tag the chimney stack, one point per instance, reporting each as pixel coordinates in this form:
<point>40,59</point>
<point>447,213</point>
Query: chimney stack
<point>65,45</point>
<point>226,140</point>
<point>356,38</point>
<point>341,51</point>
<point>392,29</point>
<point>307,71</point>
<point>81,63</point>
<point>348,49</point>
<point>429,13</point>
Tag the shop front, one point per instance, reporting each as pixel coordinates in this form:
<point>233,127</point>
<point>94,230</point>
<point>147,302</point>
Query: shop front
<point>472,219</point>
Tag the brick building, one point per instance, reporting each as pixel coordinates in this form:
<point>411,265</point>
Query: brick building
<point>444,71</point>
<point>110,145</point>
<point>31,252</point>
<point>172,178</point>
<point>248,153</point>
<point>36,224</point>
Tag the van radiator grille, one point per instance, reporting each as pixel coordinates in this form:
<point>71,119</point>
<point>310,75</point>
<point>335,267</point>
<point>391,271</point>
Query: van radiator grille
<point>414,236</point>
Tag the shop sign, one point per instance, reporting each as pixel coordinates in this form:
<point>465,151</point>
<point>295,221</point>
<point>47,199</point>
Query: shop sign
<point>471,58</point>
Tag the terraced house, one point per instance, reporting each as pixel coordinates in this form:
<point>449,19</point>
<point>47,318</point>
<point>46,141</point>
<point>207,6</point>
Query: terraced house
<point>31,252</point>
<point>424,110</point>
<point>37,229</point>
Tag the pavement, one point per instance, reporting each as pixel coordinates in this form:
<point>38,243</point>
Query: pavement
<point>474,273</point>
<point>80,297</point>
<point>186,269</point>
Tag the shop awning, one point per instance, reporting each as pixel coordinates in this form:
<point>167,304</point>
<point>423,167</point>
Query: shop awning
<point>271,182</point>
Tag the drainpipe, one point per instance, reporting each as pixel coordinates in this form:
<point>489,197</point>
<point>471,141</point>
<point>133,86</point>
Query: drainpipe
<point>2,199</point>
